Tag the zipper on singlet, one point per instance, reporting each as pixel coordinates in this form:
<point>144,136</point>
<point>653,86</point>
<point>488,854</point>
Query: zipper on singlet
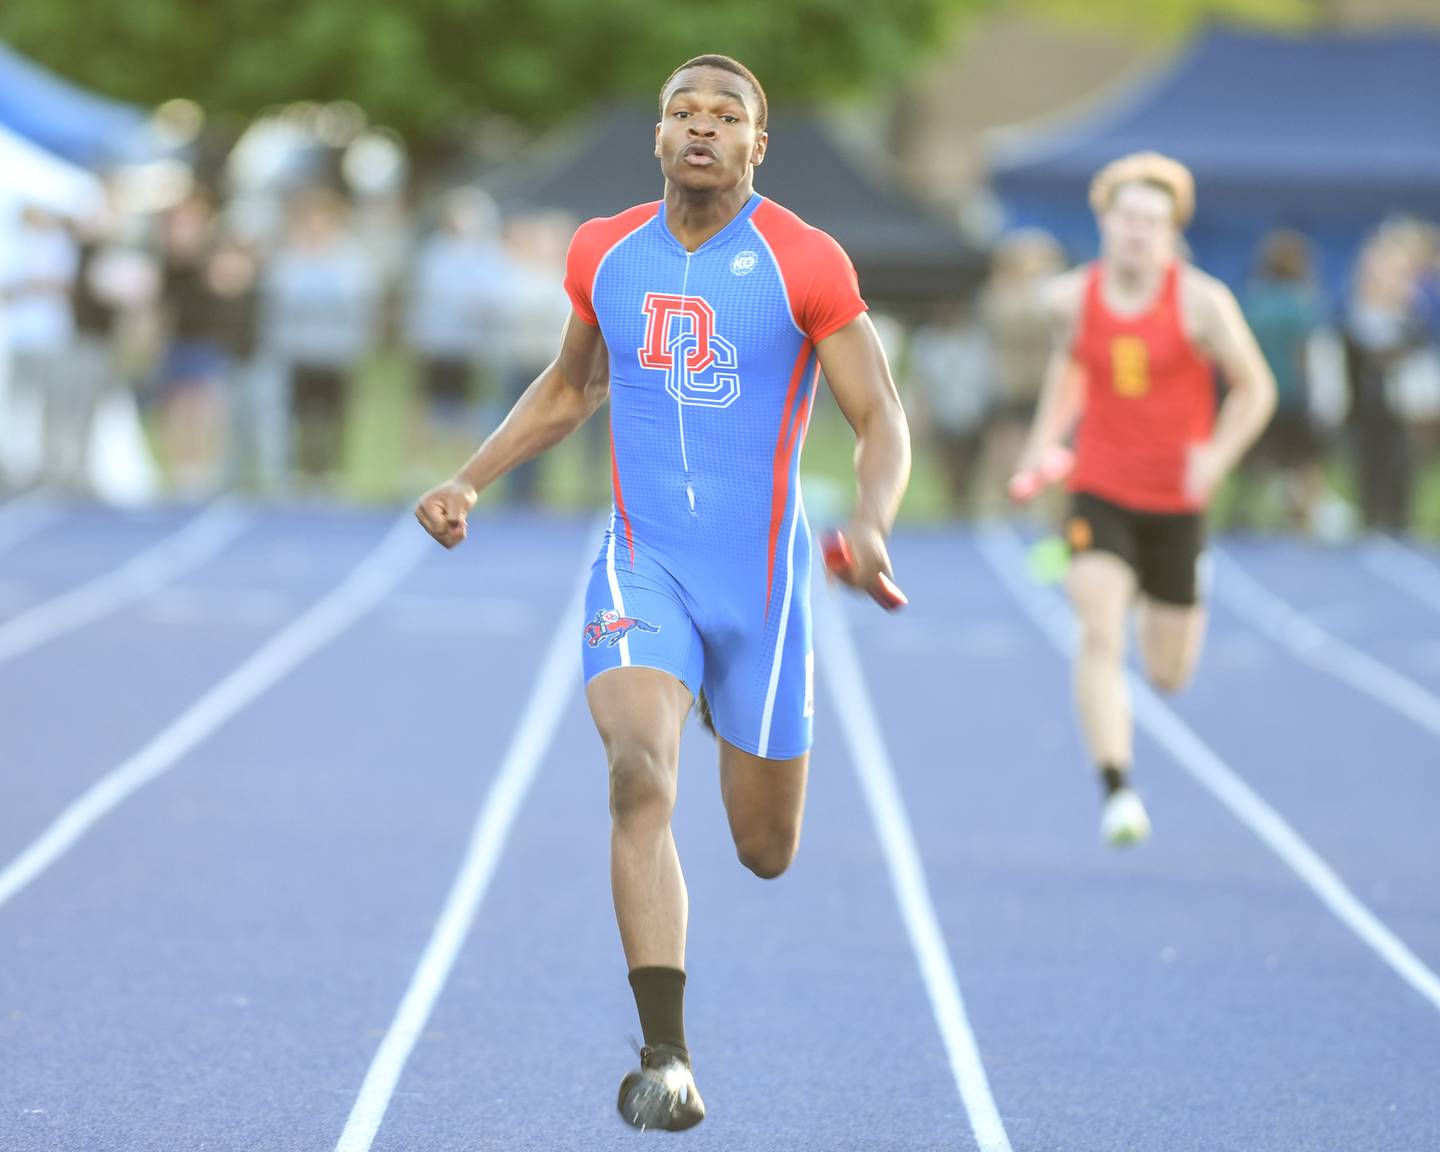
<point>679,400</point>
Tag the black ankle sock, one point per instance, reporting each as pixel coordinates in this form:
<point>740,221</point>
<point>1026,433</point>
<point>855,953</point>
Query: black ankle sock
<point>1113,778</point>
<point>660,1000</point>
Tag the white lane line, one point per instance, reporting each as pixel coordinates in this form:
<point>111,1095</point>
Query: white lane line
<point>24,517</point>
<point>200,540</point>
<point>553,689</point>
<point>1399,566</point>
<point>855,713</point>
<point>1269,614</point>
<point>1002,550</point>
<point>396,555</point>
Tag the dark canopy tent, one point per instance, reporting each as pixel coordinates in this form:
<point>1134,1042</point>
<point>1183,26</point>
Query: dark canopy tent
<point>900,251</point>
<point>68,121</point>
<point>1328,134</point>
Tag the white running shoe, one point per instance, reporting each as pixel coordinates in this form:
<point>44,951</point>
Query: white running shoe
<point>1123,820</point>
<point>661,1093</point>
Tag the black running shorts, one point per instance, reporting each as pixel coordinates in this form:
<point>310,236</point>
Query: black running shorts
<point>1162,548</point>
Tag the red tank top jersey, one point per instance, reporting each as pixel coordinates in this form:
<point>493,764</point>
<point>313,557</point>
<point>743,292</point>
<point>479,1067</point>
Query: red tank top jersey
<point>1149,396</point>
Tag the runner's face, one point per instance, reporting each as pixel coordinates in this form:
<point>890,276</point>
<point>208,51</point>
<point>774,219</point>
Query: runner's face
<point>707,139</point>
<point>1138,229</point>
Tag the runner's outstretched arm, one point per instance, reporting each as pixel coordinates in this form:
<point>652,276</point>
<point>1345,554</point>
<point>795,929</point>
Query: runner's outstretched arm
<point>559,400</point>
<point>854,365</point>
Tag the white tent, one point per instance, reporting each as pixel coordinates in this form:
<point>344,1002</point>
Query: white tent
<point>30,175</point>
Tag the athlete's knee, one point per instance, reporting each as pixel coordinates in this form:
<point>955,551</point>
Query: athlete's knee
<point>768,852</point>
<point>642,783</point>
<point>1168,678</point>
<point>1169,662</point>
<point>1101,640</point>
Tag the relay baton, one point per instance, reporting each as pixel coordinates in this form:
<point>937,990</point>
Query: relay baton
<point>1056,465</point>
<point>836,551</point>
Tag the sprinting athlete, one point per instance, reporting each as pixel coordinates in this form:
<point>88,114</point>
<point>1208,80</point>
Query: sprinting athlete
<point>707,317</point>
<point>1138,335</point>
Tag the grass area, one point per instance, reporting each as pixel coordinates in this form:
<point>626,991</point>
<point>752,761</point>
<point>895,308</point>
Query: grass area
<point>388,460</point>
<point>378,442</point>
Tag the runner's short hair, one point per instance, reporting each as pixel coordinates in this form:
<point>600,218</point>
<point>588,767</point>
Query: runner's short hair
<point>1150,168</point>
<point>725,64</point>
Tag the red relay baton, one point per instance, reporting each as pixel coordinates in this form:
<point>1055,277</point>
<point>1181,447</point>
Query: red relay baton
<point>1025,486</point>
<point>836,551</point>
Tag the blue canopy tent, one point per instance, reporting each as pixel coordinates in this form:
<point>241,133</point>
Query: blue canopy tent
<point>1327,133</point>
<point>68,121</point>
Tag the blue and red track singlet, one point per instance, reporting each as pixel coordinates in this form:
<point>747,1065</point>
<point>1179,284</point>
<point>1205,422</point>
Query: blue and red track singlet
<point>705,569</point>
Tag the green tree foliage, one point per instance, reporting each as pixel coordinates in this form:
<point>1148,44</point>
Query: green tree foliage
<point>1174,18</point>
<point>424,65</point>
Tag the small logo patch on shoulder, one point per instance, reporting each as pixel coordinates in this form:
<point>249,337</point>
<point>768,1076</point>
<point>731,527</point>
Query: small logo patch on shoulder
<point>744,263</point>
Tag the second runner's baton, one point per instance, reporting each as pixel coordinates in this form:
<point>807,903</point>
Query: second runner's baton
<point>1025,486</point>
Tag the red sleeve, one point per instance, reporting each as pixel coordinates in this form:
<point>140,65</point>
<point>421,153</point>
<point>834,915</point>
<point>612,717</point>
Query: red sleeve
<point>832,298</point>
<point>591,243</point>
<point>820,281</point>
<point>582,261</point>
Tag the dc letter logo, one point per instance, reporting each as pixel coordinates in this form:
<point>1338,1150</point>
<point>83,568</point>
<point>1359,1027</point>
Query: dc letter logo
<point>680,340</point>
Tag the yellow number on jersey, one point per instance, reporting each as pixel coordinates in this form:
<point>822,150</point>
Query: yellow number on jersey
<point>1130,366</point>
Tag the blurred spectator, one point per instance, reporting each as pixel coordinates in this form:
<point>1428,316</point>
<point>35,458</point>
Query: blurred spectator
<point>124,278</point>
<point>1015,318</point>
<point>1382,330</point>
<point>320,305</point>
<point>192,386</point>
<point>536,308</point>
<point>1417,378</point>
<point>951,375</point>
<point>1427,293</point>
<point>461,282</point>
<point>37,277</point>
<point>92,372</point>
<point>1283,308</point>
<point>232,275</point>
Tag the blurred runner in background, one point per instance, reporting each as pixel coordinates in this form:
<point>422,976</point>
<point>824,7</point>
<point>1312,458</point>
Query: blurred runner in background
<point>1139,333</point>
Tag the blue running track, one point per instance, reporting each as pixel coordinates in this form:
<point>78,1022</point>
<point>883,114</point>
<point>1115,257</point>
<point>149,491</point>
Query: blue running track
<point>213,960</point>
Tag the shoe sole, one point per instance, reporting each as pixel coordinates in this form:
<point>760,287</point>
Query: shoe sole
<point>1127,837</point>
<point>646,1104</point>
